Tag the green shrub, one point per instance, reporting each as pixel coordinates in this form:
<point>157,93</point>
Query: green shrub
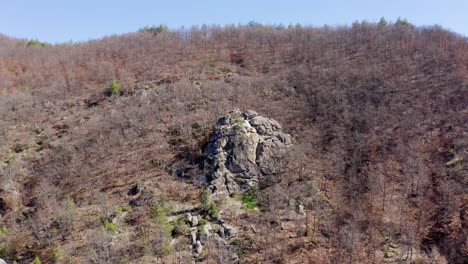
<point>33,42</point>
<point>252,24</point>
<point>159,212</point>
<point>402,22</point>
<point>109,226</point>
<point>3,231</point>
<point>56,253</point>
<point>250,198</point>
<point>114,88</point>
<point>9,158</point>
<point>5,251</point>
<point>239,122</point>
<point>302,231</point>
<point>241,245</point>
<point>237,243</point>
<point>70,203</point>
<point>179,227</point>
<point>208,207</point>
<point>383,22</point>
<point>163,247</point>
<point>122,209</point>
<point>154,29</point>
<point>213,210</point>
<point>25,88</point>
<point>280,27</point>
<point>178,141</point>
<point>201,227</point>
<point>36,260</point>
<point>124,260</point>
<point>4,248</point>
<point>204,199</point>
<point>162,244</point>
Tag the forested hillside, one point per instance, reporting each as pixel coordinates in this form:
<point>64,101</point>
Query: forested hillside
<point>104,144</point>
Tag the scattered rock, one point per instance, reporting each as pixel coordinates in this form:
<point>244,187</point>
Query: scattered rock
<point>172,218</point>
<point>229,231</point>
<point>301,209</point>
<point>220,240</point>
<point>207,228</point>
<point>188,217</point>
<point>194,221</point>
<point>198,247</point>
<point>221,231</point>
<point>250,114</point>
<point>254,229</point>
<point>2,261</point>
<point>193,236</point>
<point>203,238</point>
<point>116,218</point>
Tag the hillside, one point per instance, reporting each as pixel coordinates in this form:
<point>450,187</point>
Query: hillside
<point>375,171</point>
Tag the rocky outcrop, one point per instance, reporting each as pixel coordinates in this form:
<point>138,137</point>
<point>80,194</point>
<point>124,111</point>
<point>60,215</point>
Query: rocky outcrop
<point>244,150</point>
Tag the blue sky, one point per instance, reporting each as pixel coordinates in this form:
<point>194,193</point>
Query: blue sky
<point>64,20</point>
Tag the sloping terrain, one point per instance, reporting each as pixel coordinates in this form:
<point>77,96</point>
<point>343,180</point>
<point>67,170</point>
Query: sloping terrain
<point>377,172</point>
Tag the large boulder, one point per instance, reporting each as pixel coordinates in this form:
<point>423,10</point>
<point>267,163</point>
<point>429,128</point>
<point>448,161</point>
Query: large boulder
<point>245,148</point>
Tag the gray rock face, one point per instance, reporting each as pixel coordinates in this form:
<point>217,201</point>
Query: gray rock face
<point>229,231</point>
<point>245,148</point>
<point>2,261</point>
<point>188,217</point>
<point>194,220</point>
<point>193,236</point>
<point>198,247</point>
<point>301,209</point>
<point>221,231</point>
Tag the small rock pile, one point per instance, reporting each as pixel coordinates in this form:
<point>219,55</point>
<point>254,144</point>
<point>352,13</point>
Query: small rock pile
<point>200,233</point>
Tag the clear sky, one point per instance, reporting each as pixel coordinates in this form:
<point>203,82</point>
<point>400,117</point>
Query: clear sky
<point>78,20</point>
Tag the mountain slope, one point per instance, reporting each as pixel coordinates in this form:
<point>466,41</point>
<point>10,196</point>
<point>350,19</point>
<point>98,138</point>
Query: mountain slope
<point>378,114</point>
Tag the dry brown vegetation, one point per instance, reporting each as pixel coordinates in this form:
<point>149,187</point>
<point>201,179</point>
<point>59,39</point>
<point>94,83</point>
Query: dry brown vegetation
<point>378,113</point>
